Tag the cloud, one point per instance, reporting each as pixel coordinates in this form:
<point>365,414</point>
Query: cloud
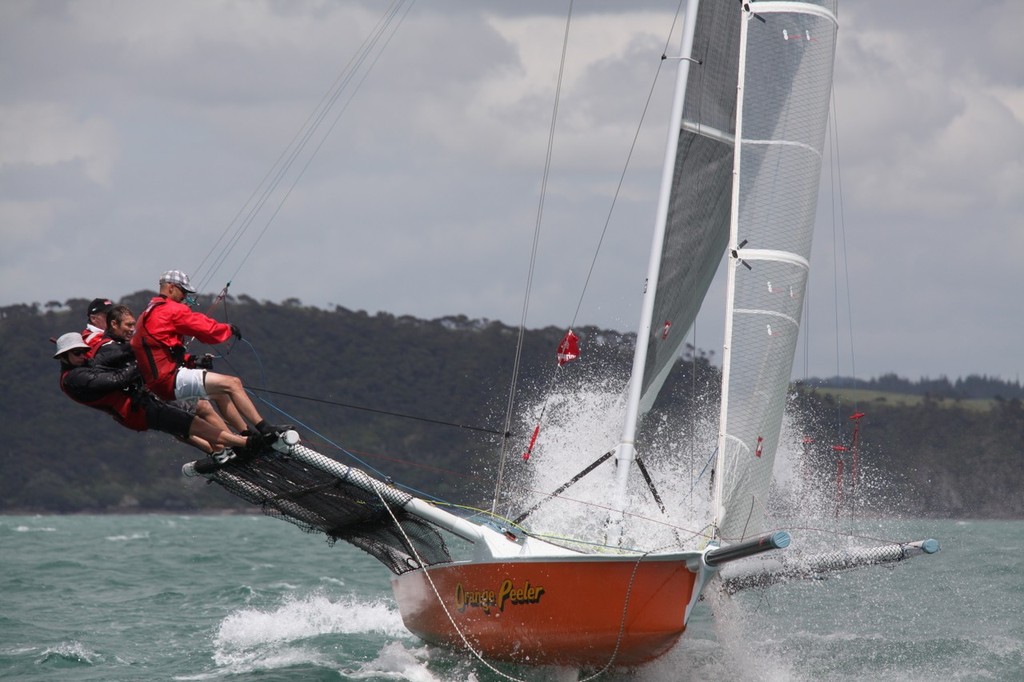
<point>48,134</point>
<point>150,125</point>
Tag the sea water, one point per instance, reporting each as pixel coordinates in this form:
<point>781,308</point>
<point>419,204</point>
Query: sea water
<point>243,598</point>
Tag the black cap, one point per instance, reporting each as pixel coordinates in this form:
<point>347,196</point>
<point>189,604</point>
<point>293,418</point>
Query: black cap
<point>100,305</point>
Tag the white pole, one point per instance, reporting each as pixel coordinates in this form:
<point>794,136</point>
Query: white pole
<point>625,453</point>
<point>730,288</point>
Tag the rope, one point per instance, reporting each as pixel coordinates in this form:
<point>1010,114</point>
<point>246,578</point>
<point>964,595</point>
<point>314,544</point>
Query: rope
<point>437,594</point>
<point>362,462</point>
<point>622,620</point>
<point>597,249</point>
<point>477,654</point>
<point>389,413</point>
<point>533,264</point>
<point>625,165</point>
<point>377,41</point>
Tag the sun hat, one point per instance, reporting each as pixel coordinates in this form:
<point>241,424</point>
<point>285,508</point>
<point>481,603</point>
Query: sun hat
<point>177,278</point>
<point>69,341</point>
<point>100,305</point>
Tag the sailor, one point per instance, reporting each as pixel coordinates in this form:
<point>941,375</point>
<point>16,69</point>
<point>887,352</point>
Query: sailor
<point>115,348</point>
<point>172,373</point>
<point>116,353</point>
<point>119,393</point>
<point>96,322</point>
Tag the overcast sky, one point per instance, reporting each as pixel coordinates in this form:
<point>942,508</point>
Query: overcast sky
<point>133,132</point>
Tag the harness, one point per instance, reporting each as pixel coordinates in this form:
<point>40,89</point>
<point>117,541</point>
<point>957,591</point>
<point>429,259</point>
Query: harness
<point>123,405</point>
<point>149,342</point>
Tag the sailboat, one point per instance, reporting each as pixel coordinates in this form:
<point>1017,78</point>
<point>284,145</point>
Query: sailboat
<point>739,186</point>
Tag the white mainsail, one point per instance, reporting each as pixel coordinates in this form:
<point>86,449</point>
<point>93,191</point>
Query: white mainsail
<point>785,82</point>
<point>740,178</point>
<point>752,102</point>
<point>697,210</point>
<point>692,224</point>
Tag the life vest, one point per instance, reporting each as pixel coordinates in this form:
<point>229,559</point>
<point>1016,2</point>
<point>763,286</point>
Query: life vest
<point>158,362</point>
<point>113,352</point>
<point>158,341</point>
<point>116,402</point>
<point>93,338</point>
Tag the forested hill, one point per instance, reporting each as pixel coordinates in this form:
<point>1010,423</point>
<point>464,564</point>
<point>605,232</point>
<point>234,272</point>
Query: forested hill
<point>965,388</point>
<point>423,402</point>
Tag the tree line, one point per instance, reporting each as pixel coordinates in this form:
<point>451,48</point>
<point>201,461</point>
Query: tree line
<point>423,402</point>
<point>963,388</point>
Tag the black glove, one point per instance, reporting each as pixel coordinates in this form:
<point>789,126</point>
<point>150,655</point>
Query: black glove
<point>236,332</point>
<point>134,381</point>
<point>205,362</point>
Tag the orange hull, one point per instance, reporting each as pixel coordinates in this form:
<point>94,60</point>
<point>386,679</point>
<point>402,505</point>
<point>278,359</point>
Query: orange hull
<point>583,611</point>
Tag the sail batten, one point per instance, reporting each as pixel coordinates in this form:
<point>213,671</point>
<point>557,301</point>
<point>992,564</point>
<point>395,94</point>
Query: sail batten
<point>741,163</point>
<point>708,132</point>
<point>783,85</point>
<point>697,212</point>
<point>647,376</point>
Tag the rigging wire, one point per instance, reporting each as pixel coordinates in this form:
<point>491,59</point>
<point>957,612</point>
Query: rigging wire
<point>366,465</point>
<point>625,165</point>
<point>845,250</point>
<point>362,462</point>
<point>840,251</point>
<point>841,242</point>
<point>389,413</point>
<point>465,640</point>
<point>373,46</point>
<point>533,264</point>
<point>601,238</point>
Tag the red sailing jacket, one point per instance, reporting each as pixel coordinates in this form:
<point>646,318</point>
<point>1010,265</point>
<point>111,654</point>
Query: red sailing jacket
<point>158,341</point>
<point>93,338</point>
<point>104,389</point>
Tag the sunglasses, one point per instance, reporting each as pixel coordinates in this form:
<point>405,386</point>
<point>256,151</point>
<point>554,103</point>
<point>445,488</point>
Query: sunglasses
<point>78,352</point>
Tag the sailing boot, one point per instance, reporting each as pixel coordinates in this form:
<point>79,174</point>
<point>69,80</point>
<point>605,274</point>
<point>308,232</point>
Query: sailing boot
<point>273,429</point>
<point>223,456</point>
<point>257,442</point>
<point>200,467</point>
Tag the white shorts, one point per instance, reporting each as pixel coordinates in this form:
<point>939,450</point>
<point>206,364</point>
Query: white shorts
<point>190,383</point>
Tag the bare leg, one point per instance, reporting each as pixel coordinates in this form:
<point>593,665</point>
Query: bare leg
<point>205,410</point>
<point>198,443</point>
<point>229,412</point>
<point>207,431</point>
<point>227,385</point>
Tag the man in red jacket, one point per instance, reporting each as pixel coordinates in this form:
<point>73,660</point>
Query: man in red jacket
<point>119,393</point>
<point>172,373</point>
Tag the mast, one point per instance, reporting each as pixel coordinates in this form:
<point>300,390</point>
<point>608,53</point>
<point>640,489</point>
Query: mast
<point>786,54</point>
<point>625,453</point>
<point>730,286</point>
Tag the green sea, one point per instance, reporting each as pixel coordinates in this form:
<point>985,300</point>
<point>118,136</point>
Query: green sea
<point>247,598</point>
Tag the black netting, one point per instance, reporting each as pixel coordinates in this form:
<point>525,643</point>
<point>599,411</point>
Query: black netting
<point>318,502</point>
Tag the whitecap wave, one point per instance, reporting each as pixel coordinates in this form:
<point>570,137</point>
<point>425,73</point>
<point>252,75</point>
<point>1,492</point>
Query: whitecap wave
<point>299,618</point>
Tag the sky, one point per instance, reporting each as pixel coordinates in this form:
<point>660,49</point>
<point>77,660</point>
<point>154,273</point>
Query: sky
<point>136,136</point>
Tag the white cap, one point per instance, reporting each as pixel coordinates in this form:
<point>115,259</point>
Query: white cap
<point>69,341</point>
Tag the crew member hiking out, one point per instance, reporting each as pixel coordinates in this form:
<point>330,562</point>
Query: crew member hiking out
<point>96,323</point>
<point>116,353</point>
<point>119,393</point>
<point>115,350</point>
<point>172,373</point>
